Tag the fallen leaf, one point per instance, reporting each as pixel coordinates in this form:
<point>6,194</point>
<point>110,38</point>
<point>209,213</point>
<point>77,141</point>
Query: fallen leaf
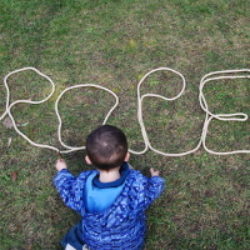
<point>29,247</point>
<point>9,141</point>
<point>8,123</point>
<point>23,124</point>
<point>13,176</point>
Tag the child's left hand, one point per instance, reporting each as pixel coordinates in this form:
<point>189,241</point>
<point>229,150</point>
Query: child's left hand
<point>60,165</point>
<point>154,172</point>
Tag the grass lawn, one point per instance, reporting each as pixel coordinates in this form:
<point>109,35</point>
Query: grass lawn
<point>114,43</point>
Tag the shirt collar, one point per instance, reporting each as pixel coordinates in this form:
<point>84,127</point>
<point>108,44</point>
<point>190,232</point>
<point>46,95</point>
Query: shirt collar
<point>124,170</point>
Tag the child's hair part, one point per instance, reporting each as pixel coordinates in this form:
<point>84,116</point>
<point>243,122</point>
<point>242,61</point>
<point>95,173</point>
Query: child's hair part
<point>107,147</point>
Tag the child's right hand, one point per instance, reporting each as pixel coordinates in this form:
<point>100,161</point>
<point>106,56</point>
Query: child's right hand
<point>60,165</point>
<point>154,172</point>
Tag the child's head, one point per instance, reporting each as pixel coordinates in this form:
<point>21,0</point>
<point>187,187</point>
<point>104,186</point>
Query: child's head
<point>106,147</point>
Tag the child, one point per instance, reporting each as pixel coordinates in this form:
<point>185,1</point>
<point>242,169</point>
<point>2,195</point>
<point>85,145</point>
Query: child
<point>111,199</point>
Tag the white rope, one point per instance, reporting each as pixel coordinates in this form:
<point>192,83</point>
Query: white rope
<point>209,115</point>
<point>70,148</point>
<point>10,106</point>
<point>222,117</point>
<point>140,112</point>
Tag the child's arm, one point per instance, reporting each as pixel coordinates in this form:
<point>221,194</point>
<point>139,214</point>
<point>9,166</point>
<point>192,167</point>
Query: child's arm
<point>156,185</point>
<point>150,189</point>
<point>68,186</point>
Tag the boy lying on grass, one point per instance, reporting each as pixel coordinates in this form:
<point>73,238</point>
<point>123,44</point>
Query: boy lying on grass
<point>111,199</point>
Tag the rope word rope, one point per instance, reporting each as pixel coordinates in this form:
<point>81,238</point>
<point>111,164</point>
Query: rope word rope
<point>213,76</point>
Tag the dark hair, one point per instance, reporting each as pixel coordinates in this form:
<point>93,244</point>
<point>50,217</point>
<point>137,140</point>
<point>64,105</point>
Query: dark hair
<point>106,147</point>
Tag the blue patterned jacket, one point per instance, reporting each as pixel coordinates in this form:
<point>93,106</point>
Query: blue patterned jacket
<point>122,225</point>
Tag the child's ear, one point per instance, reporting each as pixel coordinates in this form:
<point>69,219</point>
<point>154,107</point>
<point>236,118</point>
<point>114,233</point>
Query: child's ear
<point>127,157</point>
<point>88,161</point>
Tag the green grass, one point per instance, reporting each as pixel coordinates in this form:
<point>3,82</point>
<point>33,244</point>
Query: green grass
<point>114,43</point>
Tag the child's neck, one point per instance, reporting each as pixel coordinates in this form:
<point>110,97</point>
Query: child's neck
<point>110,175</point>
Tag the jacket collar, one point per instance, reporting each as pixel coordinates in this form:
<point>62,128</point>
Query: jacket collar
<point>124,170</point>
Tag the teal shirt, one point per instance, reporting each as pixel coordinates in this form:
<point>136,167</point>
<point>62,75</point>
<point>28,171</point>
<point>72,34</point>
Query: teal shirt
<point>100,196</point>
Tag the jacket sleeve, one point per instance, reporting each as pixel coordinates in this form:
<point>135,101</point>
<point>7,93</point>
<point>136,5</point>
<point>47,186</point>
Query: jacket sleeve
<point>148,190</point>
<point>70,188</point>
